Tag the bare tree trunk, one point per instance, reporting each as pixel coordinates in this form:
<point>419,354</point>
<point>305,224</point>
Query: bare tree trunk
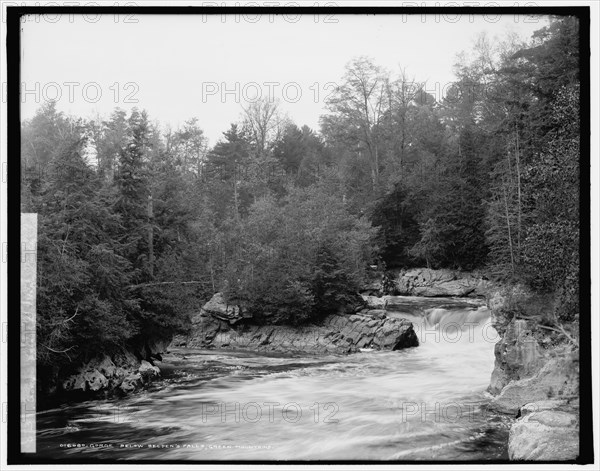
<point>150,236</point>
<point>235,192</point>
<point>518,195</point>
<point>512,257</point>
<point>376,167</point>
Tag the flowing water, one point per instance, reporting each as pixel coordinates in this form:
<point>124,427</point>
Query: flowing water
<point>423,403</point>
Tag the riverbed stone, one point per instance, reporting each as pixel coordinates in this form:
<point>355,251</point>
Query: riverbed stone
<point>147,369</point>
<point>131,382</point>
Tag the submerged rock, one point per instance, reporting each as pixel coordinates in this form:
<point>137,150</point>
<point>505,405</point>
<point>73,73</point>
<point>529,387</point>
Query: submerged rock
<point>336,333</point>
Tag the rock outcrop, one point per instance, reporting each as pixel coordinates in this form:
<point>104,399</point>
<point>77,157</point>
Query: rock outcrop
<point>336,333</point>
<point>219,309</point>
<point>539,385</point>
<point>518,355</point>
<point>546,430</point>
<point>122,372</point>
<point>557,379</point>
<point>440,283</point>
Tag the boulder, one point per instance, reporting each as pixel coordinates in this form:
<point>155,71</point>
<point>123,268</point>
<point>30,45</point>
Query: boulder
<point>95,380</point>
<point>107,367</point>
<point>543,433</point>
<point>375,302</point>
<point>146,369</point>
<point>131,382</point>
<point>218,308</point>
<point>86,380</point>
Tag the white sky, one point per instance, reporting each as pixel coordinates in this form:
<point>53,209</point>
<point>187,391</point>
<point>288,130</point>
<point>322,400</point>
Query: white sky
<point>178,67</point>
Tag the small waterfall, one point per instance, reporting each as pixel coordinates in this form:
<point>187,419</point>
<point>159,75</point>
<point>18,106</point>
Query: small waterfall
<point>424,403</point>
<point>445,320</point>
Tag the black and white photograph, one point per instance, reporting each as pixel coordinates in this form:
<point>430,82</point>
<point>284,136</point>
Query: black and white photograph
<point>299,234</point>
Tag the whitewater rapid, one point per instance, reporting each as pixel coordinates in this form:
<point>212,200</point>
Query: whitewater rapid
<point>423,403</point>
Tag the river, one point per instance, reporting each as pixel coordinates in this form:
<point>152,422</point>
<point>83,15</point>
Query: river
<point>423,403</point>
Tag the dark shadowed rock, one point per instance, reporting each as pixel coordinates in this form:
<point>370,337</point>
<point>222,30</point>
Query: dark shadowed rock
<point>123,370</point>
<point>89,379</point>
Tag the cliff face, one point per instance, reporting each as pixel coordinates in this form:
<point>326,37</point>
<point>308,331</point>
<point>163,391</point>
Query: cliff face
<point>538,384</point>
<point>221,326</point>
<point>518,354</point>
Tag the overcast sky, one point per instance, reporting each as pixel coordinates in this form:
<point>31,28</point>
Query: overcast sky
<point>178,67</point>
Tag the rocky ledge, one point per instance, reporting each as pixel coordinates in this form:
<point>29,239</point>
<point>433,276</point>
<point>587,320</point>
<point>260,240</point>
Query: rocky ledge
<point>547,430</point>
<point>219,325</point>
<point>430,283</point>
<point>122,372</point>
<point>537,384</point>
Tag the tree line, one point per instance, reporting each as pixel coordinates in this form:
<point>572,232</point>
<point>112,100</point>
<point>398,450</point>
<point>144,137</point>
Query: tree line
<point>140,224</point>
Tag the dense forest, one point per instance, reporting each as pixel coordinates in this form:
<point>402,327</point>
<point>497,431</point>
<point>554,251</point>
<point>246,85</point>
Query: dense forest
<point>140,224</point>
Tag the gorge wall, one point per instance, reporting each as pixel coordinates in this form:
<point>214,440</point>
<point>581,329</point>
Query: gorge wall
<point>537,382</point>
